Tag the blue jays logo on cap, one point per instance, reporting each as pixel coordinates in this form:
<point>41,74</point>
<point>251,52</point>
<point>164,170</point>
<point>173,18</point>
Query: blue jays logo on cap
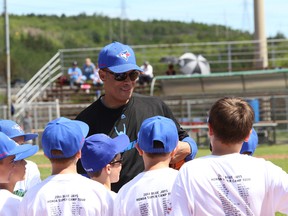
<point>118,58</point>
<point>17,127</point>
<point>13,130</point>
<point>124,55</point>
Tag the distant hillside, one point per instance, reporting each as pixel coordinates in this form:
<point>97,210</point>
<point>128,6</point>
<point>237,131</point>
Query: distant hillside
<point>34,39</point>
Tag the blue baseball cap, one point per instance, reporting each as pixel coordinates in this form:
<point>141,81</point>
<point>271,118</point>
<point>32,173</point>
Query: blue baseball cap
<point>99,150</point>
<point>64,135</point>
<point>252,143</point>
<point>13,130</point>
<point>158,128</point>
<point>118,58</point>
<point>9,147</point>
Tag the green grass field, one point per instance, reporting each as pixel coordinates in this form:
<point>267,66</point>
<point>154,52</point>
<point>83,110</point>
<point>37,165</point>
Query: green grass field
<point>277,154</point>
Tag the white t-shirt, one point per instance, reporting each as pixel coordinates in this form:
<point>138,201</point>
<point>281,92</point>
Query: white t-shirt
<point>147,70</point>
<point>32,177</point>
<point>148,193</point>
<point>9,203</point>
<point>231,184</point>
<point>67,194</point>
<point>113,194</point>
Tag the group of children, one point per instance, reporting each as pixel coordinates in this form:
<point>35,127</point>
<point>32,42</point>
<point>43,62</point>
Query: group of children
<point>227,182</point>
<point>17,175</point>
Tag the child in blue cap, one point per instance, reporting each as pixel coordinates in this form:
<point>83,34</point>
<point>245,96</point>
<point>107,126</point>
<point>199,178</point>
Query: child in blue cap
<point>12,169</point>
<point>101,158</point>
<point>32,175</point>
<point>228,182</point>
<point>149,191</point>
<point>66,192</point>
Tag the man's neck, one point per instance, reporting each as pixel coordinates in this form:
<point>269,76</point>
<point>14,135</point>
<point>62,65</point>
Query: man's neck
<point>112,104</point>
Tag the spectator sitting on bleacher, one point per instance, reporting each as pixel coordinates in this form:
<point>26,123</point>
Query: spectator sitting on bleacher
<point>75,74</point>
<point>97,81</point>
<point>146,75</point>
<point>88,70</point>
<point>170,70</point>
<point>96,78</point>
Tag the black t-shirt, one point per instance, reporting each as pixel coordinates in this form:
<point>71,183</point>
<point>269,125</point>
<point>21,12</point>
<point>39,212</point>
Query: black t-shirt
<point>126,119</point>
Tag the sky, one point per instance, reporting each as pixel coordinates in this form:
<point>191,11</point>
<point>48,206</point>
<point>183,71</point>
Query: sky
<point>237,14</point>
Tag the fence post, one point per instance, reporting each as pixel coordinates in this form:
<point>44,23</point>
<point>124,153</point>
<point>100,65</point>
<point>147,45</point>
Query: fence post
<point>229,53</point>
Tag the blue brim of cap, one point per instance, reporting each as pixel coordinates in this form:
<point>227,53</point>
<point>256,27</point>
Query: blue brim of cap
<point>99,150</point>
<point>30,136</point>
<point>84,127</point>
<point>24,151</point>
<point>27,136</point>
<point>121,143</point>
<point>252,143</point>
<point>124,68</point>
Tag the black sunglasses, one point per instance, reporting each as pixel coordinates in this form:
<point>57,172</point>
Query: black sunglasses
<point>133,75</point>
<point>120,161</point>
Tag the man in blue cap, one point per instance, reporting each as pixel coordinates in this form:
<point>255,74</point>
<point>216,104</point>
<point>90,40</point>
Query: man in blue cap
<point>121,111</point>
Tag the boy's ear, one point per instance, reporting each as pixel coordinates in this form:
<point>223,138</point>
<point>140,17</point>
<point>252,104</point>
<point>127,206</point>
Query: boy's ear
<point>78,154</point>
<point>140,151</point>
<point>210,130</point>
<point>108,169</point>
<point>247,138</point>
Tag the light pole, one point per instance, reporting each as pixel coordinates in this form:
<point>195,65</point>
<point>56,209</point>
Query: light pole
<point>261,55</point>
<point>8,69</point>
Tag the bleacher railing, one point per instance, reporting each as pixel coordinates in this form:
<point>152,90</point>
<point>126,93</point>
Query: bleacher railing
<point>37,84</point>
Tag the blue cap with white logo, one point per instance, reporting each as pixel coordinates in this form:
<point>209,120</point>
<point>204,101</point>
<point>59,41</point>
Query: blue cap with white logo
<point>13,130</point>
<point>118,58</point>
